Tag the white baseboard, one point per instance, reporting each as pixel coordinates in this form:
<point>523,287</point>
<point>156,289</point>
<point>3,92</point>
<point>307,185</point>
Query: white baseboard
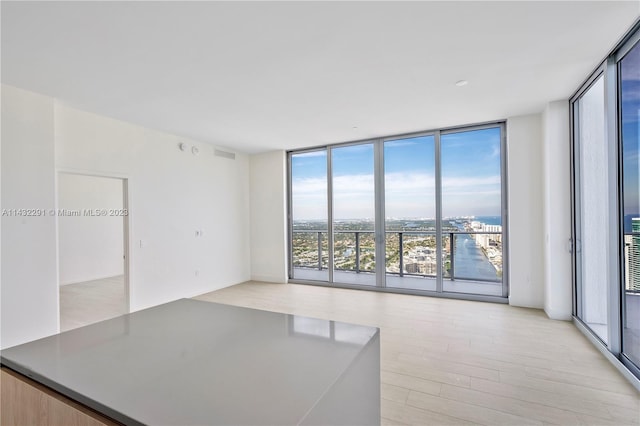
<point>268,279</point>
<point>555,314</point>
<point>94,279</point>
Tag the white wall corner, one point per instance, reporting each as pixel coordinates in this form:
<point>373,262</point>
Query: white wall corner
<point>29,269</point>
<point>556,155</point>
<point>526,241</point>
<point>268,211</point>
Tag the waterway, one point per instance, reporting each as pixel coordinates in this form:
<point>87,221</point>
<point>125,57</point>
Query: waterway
<point>469,260</point>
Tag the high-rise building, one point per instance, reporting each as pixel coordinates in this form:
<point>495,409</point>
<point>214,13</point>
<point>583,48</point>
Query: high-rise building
<point>412,268</point>
<point>628,240</point>
<point>485,240</point>
<point>632,255</point>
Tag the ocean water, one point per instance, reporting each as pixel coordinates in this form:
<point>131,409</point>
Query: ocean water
<point>489,220</point>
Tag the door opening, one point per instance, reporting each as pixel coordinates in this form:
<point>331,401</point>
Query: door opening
<point>92,216</point>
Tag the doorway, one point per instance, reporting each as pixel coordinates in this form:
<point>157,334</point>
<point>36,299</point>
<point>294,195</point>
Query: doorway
<point>92,217</point>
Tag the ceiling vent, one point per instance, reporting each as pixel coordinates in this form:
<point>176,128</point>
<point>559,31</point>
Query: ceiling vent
<point>224,154</point>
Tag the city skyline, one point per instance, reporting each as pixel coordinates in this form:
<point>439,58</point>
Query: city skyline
<point>410,249</point>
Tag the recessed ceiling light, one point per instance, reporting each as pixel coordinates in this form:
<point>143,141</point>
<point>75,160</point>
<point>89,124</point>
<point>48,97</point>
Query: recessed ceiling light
<point>461,83</point>
<point>354,127</point>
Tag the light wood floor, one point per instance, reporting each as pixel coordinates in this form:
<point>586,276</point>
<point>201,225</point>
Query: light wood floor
<point>92,301</point>
<point>460,362</point>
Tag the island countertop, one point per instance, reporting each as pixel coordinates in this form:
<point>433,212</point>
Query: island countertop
<point>191,362</point>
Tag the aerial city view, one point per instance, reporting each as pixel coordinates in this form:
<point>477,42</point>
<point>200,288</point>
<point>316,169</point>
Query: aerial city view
<point>463,167</point>
<point>477,243</point>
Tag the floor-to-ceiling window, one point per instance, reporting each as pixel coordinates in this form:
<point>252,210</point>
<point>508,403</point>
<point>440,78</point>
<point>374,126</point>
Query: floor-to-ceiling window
<point>592,213</point>
<point>472,211</point>
<point>606,203</point>
<point>629,88</point>
<point>353,215</point>
<point>308,208</point>
<point>410,213</point>
<point>417,213</point>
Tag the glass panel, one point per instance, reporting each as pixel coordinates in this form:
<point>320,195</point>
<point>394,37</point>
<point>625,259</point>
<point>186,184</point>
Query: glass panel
<point>471,211</point>
<point>410,222</point>
<point>593,211</point>
<point>309,215</point>
<point>470,259</point>
<point>630,116</point>
<point>354,249</point>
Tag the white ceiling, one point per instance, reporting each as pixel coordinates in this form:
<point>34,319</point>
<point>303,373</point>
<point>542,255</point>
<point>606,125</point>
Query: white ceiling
<point>256,76</point>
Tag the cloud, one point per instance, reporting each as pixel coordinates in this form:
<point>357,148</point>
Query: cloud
<point>399,143</point>
<point>452,183</point>
<point>409,182</point>
<point>321,153</point>
<point>353,185</point>
<point>408,194</point>
<point>308,186</point>
<point>495,152</point>
<point>462,138</point>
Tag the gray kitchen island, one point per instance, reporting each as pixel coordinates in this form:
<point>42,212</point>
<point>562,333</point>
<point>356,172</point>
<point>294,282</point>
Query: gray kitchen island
<point>191,362</point>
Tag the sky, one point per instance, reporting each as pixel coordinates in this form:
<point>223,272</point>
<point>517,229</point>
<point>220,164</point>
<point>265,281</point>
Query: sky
<point>630,84</point>
<point>470,178</point>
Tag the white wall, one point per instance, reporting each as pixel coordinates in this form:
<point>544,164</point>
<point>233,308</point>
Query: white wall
<point>89,247</point>
<point>526,213</point>
<point>268,217</point>
<point>525,180</point>
<point>557,211</point>
<point>1,205</point>
<point>29,287</point>
<point>172,195</point>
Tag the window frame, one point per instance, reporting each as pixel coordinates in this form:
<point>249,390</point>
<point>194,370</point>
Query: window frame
<point>609,68</point>
<point>378,146</point>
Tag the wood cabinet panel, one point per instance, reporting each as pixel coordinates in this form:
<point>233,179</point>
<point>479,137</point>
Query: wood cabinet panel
<point>24,402</point>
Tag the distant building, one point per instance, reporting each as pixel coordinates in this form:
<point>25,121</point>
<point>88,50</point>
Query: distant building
<point>482,240</point>
<point>491,228</point>
<point>628,240</point>
<point>632,257</point>
<point>412,268</point>
<point>487,240</point>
